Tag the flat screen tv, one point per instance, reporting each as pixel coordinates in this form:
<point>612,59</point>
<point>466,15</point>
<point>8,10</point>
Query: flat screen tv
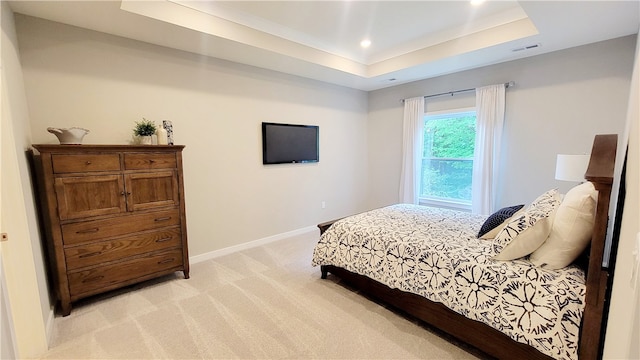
<point>287,143</point>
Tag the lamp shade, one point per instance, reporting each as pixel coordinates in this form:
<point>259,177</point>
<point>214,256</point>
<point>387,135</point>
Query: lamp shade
<point>571,167</point>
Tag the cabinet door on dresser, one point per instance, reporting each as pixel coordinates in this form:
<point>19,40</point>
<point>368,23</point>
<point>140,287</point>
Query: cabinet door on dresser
<point>86,196</point>
<point>151,190</point>
<point>114,215</point>
<point>86,193</point>
<point>151,180</point>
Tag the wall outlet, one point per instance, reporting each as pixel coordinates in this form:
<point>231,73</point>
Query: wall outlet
<point>323,204</point>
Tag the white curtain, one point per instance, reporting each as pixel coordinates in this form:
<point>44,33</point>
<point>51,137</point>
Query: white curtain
<point>412,144</point>
<point>490,105</point>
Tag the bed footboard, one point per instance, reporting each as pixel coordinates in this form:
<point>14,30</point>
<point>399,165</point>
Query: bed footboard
<point>325,225</point>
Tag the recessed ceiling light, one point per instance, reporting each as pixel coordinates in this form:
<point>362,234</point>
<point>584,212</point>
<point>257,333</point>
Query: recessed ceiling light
<point>365,43</point>
<point>477,2</point>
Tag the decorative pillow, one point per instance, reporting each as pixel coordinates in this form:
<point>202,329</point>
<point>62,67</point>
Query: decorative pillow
<point>493,232</point>
<point>525,233</point>
<point>497,218</point>
<point>571,231</point>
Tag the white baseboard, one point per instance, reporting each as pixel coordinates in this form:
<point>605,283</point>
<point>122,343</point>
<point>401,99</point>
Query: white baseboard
<point>49,326</point>
<point>231,249</point>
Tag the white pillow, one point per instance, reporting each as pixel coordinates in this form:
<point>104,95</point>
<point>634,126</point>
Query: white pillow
<point>525,233</point>
<point>572,229</point>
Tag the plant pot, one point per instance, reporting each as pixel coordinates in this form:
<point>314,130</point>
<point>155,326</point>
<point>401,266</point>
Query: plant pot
<point>146,140</point>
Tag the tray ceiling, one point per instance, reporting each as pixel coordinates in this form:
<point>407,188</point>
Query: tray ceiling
<point>410,40</point>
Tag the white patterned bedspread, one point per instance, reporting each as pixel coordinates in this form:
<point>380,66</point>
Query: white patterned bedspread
<point>435,253</point>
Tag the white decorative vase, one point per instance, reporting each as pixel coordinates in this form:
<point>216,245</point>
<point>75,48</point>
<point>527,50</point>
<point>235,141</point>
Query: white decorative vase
<point>161,135</point>
<point>146,140</point>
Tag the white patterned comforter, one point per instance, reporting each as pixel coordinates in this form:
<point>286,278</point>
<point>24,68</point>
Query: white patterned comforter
<point>435,253</point>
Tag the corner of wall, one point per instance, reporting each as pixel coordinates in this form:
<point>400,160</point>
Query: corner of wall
<point>622,329</point>
<point>22,260</point>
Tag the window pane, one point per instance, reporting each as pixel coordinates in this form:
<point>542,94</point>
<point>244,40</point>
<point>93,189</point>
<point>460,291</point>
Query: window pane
<point>449,179</point>
<point>447,163</point>
<point>450,137</point>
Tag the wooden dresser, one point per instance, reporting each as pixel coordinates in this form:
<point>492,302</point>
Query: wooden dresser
<point>114,215</point>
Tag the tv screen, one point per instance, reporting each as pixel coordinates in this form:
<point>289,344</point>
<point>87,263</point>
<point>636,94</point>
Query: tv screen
<point>287,143</point>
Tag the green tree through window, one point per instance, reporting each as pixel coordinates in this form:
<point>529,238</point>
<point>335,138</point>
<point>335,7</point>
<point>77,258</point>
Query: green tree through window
<point>447,162</point>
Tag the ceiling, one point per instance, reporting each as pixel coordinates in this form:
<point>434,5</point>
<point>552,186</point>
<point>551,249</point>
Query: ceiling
<point>411,40</point>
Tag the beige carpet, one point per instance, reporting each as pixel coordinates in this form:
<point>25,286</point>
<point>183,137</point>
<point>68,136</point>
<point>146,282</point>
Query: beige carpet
<point>263,303</point>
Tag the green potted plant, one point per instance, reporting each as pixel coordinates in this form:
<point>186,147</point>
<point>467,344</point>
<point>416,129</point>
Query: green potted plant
<point>144,129</point>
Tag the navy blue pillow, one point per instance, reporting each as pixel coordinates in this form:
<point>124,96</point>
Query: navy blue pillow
<point>497,218</point>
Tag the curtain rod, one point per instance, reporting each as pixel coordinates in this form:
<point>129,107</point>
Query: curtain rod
<point>506,85</point>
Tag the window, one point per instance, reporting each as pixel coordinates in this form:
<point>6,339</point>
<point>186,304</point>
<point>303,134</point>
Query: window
<point>447,161</point>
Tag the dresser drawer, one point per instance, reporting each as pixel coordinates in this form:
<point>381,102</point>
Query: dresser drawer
<point>148,161</point>
<point>109,250</point>
<point>96,279</point>
<point>72,163</point>
<point>94,230</point>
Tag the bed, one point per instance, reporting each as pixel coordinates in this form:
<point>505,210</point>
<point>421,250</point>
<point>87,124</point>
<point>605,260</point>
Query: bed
<point>429,263</point>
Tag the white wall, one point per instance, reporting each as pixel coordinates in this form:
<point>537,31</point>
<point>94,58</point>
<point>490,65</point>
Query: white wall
<point>559,102</point>
<point>76,77</point>
<point>22,253</point>
<point>623,330</point>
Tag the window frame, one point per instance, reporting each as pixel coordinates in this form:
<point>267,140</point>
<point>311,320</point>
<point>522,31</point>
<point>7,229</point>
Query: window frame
<point>434,201</point>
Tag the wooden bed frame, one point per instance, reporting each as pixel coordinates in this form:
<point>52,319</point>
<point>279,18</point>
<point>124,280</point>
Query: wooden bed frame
<point>486,338</point>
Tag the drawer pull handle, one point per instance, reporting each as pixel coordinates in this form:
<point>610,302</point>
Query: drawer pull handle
<point>152,161</point>
<point>87,231</point>
<point>90,254</point>
<point>164,239</point>
<point>95,278</point>
<point>88,162</point>
<point>166,261</point>
<point>163,218</point>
